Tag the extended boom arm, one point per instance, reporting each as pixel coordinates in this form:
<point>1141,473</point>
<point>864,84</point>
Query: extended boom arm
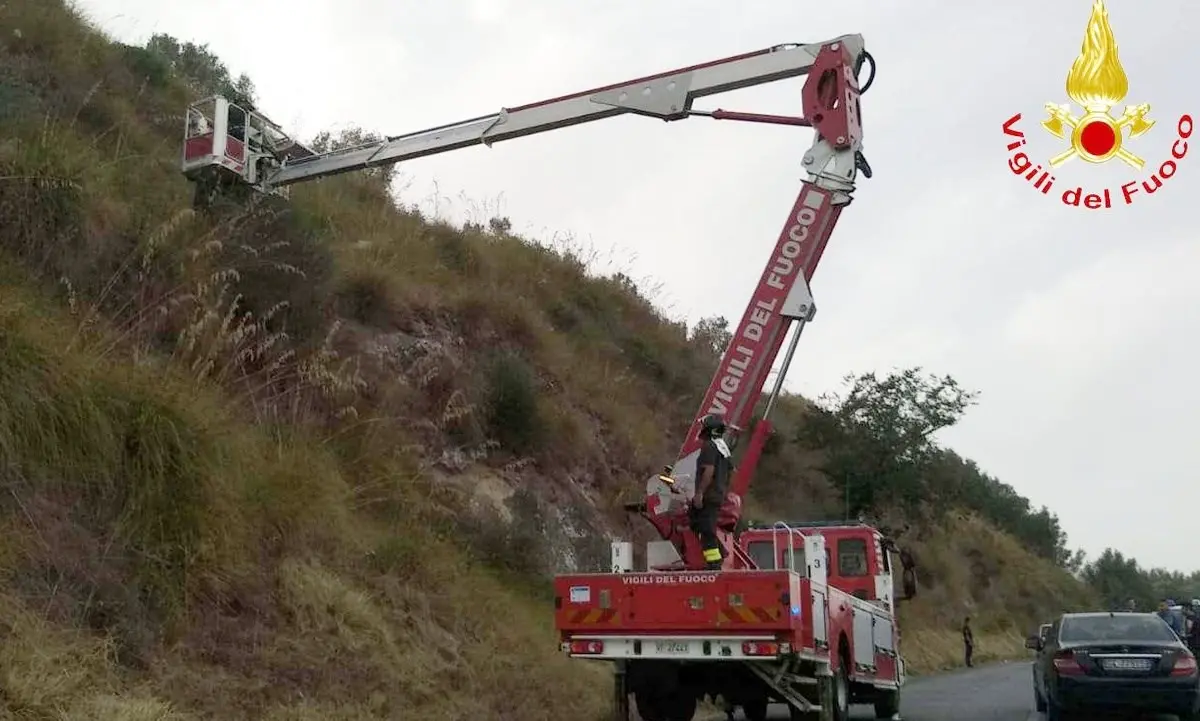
<point>666,96</point>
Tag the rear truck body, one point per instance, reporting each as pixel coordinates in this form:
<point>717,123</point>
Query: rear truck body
<point>804,616</point>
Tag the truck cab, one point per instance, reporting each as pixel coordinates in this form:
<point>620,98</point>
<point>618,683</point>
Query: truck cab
<point>857,557</point>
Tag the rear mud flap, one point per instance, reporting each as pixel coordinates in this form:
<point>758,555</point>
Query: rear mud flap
<point>620,693</point>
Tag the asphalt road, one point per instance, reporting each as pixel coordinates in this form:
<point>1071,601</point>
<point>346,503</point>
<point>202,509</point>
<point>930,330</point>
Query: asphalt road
<point>1000,692</point>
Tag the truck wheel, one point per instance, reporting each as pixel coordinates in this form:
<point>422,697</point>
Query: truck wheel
<point>841,692</point>
<point>755,710</point>
<point>680,707</point>
<point>649,708</point>
<point>675,706</point>
<point>887,704</point>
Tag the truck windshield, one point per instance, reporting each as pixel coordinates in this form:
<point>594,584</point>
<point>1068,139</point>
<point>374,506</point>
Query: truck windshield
<point>1116,627</point>
<point>852,557</point>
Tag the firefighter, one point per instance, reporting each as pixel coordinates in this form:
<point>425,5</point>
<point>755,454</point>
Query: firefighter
<point>712,483</point>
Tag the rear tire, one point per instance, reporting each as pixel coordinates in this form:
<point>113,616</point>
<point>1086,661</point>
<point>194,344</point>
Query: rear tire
<point>887,704</point>
<point>672,706</point>
<point>755,710</point>
<point>681,707</point>
<point>1054,712</point>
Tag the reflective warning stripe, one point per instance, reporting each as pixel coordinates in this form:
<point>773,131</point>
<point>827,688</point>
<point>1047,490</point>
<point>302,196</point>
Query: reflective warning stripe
<point>594,616</point>
<point>748,614</point>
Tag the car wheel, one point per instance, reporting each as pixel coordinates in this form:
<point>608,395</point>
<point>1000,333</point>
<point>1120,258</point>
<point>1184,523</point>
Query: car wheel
<point>1054,712</point>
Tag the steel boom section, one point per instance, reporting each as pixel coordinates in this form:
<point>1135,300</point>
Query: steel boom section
<point>667,96</point>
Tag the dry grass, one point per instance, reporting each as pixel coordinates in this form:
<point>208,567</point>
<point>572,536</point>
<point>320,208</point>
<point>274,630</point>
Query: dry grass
<point>260,588</point>
<point>237,451</point>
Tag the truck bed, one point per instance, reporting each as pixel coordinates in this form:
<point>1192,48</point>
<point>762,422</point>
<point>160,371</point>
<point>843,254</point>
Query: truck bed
<point>686,602</point>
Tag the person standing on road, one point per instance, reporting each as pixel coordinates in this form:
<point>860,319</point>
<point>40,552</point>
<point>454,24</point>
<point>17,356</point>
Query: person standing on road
<point>968,641</point>
<point>1168,614</point>
<point>712,483</point>
<point>1193,637</point>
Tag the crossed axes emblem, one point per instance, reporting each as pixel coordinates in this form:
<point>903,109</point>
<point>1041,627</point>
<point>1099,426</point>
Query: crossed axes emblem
<point>1133,118</point>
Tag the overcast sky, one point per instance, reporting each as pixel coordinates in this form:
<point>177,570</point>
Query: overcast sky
<point>1078,327</point>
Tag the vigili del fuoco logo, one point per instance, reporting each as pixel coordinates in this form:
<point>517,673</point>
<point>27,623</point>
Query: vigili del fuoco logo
<point>1096,83</point>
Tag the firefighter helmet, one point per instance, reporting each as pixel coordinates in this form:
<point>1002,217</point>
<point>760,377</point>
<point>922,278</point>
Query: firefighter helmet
<point>712,425</point>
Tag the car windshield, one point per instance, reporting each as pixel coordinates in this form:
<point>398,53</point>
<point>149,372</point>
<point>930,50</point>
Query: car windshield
<point>1082,629</point>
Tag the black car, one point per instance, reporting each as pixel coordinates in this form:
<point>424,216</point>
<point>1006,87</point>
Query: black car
<point>1113,662</point>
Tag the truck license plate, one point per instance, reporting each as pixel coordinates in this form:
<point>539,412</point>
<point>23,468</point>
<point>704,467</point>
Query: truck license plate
<point>671,648</point>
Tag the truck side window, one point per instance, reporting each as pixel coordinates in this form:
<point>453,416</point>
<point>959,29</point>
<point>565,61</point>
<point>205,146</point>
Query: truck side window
<point>797,559</point>
<point>762,553</point>
<point>852,557</point>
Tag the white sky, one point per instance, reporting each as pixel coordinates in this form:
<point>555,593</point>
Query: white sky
<point>1079,327</point>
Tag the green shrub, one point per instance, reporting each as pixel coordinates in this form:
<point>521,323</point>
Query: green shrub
<point>513,417</point>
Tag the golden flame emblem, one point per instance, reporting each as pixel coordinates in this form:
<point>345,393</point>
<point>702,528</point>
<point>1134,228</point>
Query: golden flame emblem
<point>1096,83</point>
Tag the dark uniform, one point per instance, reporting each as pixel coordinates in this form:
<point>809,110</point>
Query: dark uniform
<point>968,642</point>
<point>715,453</point>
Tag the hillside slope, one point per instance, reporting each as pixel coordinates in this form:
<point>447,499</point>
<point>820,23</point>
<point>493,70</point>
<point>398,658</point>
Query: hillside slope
<point>313,459</point>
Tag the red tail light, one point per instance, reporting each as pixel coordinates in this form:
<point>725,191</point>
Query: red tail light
<point>1184,666</point>
<point>1066,665</point>
<point>587,647</point>
<point>760,648</point>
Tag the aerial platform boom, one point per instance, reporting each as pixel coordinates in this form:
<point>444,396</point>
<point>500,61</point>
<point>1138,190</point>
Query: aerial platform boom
<point>226,145</point>
<point>272,160</point>
<point>667,96</point>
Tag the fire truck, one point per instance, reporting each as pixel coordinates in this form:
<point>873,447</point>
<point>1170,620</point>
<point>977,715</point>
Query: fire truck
<point>799,613</point>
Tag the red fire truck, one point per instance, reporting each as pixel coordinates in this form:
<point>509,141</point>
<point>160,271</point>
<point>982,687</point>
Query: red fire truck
<point>799,613</point>
<point>802,614</point>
